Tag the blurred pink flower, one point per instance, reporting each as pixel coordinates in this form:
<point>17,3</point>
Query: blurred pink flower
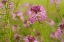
<point>11,5</point>
<point>51,1</point>
<point>14,28</point>
<point>52,35</point>
<point>14,16</point>
<point>4,1</point>
<point>51,22</point>
<point>55,1</point>
<point>25,5</point>
<point>61,26</point>
<point>1,5</point>
<point>32,18</point>
<point>26,24</point>
<point>30,39</point>
<point>18,13</point>
<point>17,37</point>
<point>36,13</point>
<point>56,34</point>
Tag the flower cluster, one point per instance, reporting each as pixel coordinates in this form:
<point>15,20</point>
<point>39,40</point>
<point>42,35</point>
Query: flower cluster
<point>55,1</point>
<point>56,34</point>
<point>59,31</point>
<point>30,39</point>
<point>36,13</point>
<point>19,14</point>
<point>16,19</point>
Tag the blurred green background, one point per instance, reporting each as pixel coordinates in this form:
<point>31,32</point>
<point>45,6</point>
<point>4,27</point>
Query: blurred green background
<point>51,13</point>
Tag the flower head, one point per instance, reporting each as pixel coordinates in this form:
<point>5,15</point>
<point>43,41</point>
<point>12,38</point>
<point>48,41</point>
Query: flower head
<point>54,1</point>
<point>17,37</point>
<point>4,1</point>
<point>1,5</point>
<point>11,5</point>
<point>30,39</point>
<point>61,26</point>
<point>26,24</point>
<point>56,34</point>
<point>19,14</point>
<point>36,13</point>
<point>51,22</point>
<point>35,9</point>
<point>14,28</point>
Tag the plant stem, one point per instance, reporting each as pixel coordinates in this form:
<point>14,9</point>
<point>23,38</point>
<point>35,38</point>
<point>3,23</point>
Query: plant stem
<point>16,5</point>
<point>7,20</point>
<point>57,10</point>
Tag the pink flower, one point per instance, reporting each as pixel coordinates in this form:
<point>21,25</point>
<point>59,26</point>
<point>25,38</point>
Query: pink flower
<point>11,5</point>
<point>26,24</point>
<point>4,1</point>
<point>52,35</point>
<point>14,16</point>
<point>19,14</point>
<point>54,1</point>
<point>57,1</point>
<point>51,22</point>
<point>51,1</point>
<point>36,13</point>
<point>35,9</point>
<point>17,37</point>
<point>14,28</point>
<point>30,39</point>
<point>25,5</point>
<point>61,26</point>
<point>32,18</point>
<point>1,5</point>
<point>56,34</point>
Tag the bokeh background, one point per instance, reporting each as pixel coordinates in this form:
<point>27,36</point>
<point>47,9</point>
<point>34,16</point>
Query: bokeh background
<point>46,29</point>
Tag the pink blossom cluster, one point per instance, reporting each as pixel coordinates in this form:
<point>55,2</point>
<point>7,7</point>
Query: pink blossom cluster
<point>10,4</point>
<point>26,24</point>
<point>30,39</point>
<point>1,5</point>
<point>50,22</point>
<point>61,26</point>
<point>19,14</point>
<point>36,13</point>
<point>55,1</point>
<point>59,31</point>
<point>56,34</point>
<point>4,1</point>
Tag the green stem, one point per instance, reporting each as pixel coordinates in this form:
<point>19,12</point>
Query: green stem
<point>16,5</point>
<point>7,20</point>
<point>57,10</point>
